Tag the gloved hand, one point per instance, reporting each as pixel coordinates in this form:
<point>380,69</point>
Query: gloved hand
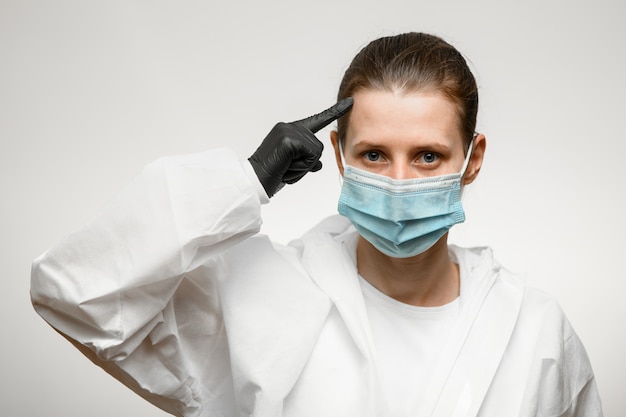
<point>291,150</point>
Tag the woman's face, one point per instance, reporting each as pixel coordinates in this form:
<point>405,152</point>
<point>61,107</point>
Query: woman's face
<point>406,135</point>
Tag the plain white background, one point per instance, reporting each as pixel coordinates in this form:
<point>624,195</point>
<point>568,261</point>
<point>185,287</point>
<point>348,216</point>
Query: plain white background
<point>91,91</point>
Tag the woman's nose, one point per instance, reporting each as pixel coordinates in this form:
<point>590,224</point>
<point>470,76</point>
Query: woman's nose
<point>402,171</point>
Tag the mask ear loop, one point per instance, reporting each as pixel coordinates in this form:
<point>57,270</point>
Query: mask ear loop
<point>468,157</point>
<point>343,162</point>
<point>343,159</point>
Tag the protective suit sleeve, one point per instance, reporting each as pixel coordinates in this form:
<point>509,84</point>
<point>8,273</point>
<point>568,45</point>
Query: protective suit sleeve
<point>115,286</point>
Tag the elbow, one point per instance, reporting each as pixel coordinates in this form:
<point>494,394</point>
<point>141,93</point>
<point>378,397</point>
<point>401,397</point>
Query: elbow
<point>42,291</point>
<point>90,322</point>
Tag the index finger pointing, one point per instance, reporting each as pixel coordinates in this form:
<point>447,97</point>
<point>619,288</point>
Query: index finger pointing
<point>323,119</point>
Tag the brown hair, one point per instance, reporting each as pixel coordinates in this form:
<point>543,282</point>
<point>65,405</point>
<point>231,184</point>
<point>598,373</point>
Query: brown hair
<point>414,62</point>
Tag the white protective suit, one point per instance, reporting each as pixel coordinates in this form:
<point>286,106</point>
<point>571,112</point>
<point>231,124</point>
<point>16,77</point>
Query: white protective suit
<point>170,290</point>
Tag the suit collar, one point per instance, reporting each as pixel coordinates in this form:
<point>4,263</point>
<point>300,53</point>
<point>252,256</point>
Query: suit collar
<point>489,309</point>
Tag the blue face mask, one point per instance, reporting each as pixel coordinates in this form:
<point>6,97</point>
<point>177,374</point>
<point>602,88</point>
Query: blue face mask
<point>402,218</point>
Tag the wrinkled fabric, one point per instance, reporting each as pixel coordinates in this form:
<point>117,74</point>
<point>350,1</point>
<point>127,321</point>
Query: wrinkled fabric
<point>171,290</point>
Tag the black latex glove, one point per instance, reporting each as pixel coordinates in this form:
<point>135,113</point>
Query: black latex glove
<point>291,150</point>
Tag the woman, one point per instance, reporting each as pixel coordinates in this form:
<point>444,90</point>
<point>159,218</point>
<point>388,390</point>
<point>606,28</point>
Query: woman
<point>371,313</point>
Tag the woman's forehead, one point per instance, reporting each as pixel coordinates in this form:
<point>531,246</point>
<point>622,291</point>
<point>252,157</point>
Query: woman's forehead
<point>395,115</point>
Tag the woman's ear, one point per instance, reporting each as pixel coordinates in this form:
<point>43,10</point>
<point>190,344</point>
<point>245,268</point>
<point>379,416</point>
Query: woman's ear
<point>476,160</point>
<point>334,139</point>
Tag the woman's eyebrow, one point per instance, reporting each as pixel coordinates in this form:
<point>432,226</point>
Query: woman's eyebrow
<point>367,143</point>
<point>437,146</point>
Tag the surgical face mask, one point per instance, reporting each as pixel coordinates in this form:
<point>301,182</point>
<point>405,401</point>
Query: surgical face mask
<point>401,218</point>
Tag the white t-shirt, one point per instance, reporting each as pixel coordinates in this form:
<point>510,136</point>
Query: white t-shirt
<point>408,342</point>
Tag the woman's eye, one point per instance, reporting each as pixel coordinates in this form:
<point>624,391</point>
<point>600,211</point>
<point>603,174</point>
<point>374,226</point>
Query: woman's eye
<point>372,156</point>
<point>429,157</point>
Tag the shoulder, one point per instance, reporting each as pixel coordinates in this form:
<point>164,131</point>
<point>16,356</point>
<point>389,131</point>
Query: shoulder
<point>480,264</point>
<point>331,226</point>
<point>329,230</point>
<point>480,269</point>
<point>261,253</point>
